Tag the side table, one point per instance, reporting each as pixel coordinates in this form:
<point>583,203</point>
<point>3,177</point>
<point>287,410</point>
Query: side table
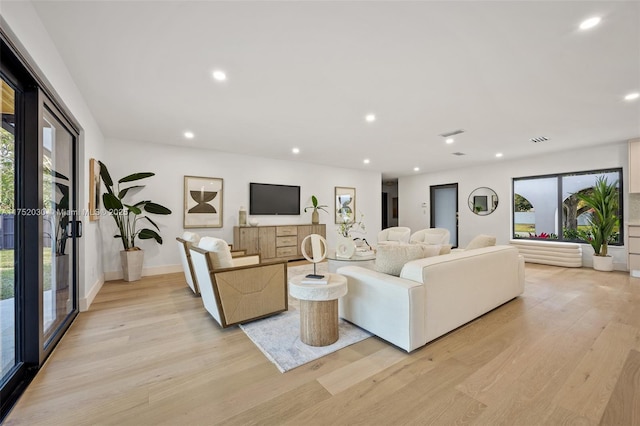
<point>318,308</point>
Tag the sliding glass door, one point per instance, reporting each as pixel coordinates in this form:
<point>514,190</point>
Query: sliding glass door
<point>57,253</point>
<point>8,355</point>
<point>38,225</point>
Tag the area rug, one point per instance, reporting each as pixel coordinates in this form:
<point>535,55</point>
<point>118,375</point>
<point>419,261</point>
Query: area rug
<point>278,336</point>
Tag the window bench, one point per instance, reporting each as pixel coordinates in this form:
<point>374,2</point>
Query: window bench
<point>553,253</point>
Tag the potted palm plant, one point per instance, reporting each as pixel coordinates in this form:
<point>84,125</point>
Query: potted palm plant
<point>127,217</point>
<point>315,216</point>
<point>603,220</point>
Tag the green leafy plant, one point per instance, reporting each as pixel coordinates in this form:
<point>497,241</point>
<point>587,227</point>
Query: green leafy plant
<point>348,225</point>
<point>603,216</point>
<point>315,206</point>
<point>127,216</point>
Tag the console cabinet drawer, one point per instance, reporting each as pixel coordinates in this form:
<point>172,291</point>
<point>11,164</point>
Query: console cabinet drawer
<point>286,241</point>
<point>286,251</point>
<point>634,231</point>
<point>634,245</point>
<point>284,231</point>
<point>274,241</point>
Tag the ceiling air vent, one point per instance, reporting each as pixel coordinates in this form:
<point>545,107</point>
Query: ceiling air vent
<point>458,153</point>
<point>539,139</point>
<point>453,133</point>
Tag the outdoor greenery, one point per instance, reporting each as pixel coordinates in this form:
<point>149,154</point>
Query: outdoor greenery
<point>7,273</point>
<point>521,204</point>
<point>7,178</point>
<point>127,216</point>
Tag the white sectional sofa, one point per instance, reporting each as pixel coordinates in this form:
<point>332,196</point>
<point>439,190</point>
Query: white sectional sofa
<point>432,296</point>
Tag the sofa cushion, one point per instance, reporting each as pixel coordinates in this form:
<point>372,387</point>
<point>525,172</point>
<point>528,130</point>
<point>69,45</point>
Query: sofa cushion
<point>481,241</point>
<point>391,258</point>
<point>219,252</point>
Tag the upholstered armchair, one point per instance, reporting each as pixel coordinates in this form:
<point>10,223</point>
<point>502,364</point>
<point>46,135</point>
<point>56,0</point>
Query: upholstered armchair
<point>394,235</point>
<point>437,236</point>
<point>238,289</point>
<point>184,244</point>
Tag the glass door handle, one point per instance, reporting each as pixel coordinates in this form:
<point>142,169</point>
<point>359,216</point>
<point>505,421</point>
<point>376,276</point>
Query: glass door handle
<point>74,229</point>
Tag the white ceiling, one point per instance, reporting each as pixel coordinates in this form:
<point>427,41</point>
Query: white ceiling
<point>305,74</point>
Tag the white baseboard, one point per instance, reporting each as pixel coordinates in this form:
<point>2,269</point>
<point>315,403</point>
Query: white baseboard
<point>85,302</point>
<point>154,270</point>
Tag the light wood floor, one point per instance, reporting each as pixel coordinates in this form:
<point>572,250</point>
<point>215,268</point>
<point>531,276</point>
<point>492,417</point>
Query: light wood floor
<point>566,352</point>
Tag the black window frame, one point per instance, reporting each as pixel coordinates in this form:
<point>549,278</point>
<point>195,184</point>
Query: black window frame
<point>559,202</point>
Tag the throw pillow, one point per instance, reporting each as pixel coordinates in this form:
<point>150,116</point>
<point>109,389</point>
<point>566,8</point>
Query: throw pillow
<point>219,252</point>
<point>481,241</point>
<point>391,258</point>
<point>445,249</point>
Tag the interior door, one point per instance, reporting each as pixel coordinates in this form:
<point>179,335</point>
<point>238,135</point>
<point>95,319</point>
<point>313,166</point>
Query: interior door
<point>444,209</point>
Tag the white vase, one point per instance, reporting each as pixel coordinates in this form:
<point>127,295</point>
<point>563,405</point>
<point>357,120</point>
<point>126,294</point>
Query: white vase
<point>131,264</point>
<point>603,263</point>
<point>345,247</point>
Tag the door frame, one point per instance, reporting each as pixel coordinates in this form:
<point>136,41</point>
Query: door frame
<point>432,213</point>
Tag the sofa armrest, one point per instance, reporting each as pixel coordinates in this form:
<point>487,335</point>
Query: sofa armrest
<point>387,306</point>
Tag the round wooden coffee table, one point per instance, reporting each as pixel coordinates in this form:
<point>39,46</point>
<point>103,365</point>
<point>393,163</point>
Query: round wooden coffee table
<point>318,308</point>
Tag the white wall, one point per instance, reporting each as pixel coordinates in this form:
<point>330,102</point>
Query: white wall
<point>414,190</point>
<point>172,163</point>
<point>24,22</point>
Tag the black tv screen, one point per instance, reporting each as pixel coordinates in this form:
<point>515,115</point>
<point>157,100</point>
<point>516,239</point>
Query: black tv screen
<point>267,199</point>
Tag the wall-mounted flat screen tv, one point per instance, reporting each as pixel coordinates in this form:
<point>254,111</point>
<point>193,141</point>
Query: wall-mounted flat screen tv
<point>268,199</point>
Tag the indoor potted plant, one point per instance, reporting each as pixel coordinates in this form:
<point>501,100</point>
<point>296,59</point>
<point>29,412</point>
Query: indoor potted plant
<point>603,219</point>
<point>315,216</point>
<point>127,216</point>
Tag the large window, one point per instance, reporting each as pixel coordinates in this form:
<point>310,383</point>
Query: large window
<point>547,207</point>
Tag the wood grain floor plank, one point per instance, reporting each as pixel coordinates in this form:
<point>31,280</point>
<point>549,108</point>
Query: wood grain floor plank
<point>349,375</point>
<point>591,384</point>
<point>148,353</point>
<point>624,406</point>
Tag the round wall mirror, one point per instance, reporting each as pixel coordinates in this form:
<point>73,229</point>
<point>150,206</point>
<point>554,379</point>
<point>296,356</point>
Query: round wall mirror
<point>483,201</point>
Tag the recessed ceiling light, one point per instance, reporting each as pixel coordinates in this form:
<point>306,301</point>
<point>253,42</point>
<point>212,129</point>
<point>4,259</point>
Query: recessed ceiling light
<point>449,140</point>
<point>370,118</point>
<point>189,135</point>
<point>296,150</point>
<point>219,75</point>
<point>590,23</point>
<point>366,161</point>
<point>498,155</point>
<point>416,169</point>
<point>632,96</point>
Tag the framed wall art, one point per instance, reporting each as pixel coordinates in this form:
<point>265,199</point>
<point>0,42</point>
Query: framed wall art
<point>94,190</point>
<point>345,203</point>
<point>202,202</point>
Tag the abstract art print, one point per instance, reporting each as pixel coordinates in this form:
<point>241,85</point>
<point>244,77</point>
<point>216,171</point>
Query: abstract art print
<point>202,202</point>
<point>345,203</point>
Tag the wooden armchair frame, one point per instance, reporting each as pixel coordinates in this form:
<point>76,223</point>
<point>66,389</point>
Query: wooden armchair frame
<point>242,293</point>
